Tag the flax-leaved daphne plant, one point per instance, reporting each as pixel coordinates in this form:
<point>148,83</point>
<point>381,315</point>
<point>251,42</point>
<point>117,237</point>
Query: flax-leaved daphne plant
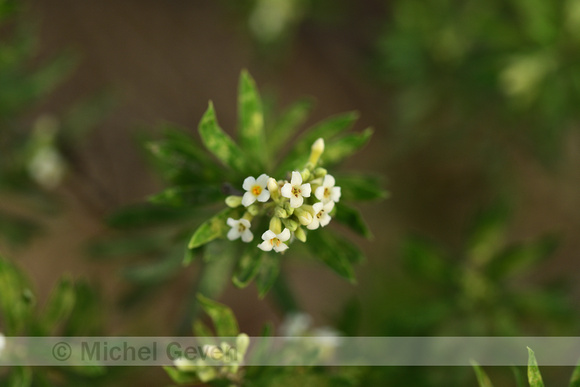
<point>265,203</point>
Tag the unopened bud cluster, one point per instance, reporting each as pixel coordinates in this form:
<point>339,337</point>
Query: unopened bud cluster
<point>307,200</point>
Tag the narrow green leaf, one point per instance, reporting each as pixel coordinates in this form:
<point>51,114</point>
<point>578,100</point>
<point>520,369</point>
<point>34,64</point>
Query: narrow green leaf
<point>219,259</point>
<point>222,317</point>
<point>157,271</point>
<point>20,377</point>
<point>324,249</point>
<point>188,196</point>
<point>146,215</point>
<point>487,237</point>
<point>344,147</point>
<point>219,143</point>
<point>325,129</point>
<point>269,270</point>
<point>353,219</point>
<point>60,304</point>
<point>482,378</point>
<point>289,123</point>
<point>360,188</point>
<point>201,330</point>
<point>248,266</point>
<point>137,244</point>
<point>251,119</point>
<point>211,229</point>
<point>518,377</point>
<point>534,375</point>
<point>575,379</point>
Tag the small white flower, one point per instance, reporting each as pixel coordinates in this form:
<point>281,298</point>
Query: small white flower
<point>327,191</point>
<point>275,241</point>
<point>256,190</point>
<point>2,343</point>
<point>239,228</point>
<point>296,191</point>
<point>321,217</point>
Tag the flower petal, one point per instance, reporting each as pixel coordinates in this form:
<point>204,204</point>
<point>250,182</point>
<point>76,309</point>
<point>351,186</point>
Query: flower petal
<point>281,247</point>
<point>329,181</point>
<point>249,182</point>
<point>268,235</point>
<point>264,196</point>
<point>262,180</point>
<point>324,220</point>
<point>314,224</point>
<point>286,190</point>
<point>316,207</point>
<point>247,236</point>
<point>284,235</point>
<point>266,246</point>
<point>319,193</point>
<point>306,190</point>
<point>296,202</point>
<point>233,234</point>
<point>296,178</point>
<point>245,222</point>
<point>248,199</point>
<point>232,222</point>
<point>335,194</point>
<point>328,207</point>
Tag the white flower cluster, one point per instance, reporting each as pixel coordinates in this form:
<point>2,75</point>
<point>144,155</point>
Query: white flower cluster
<point>288,203</point>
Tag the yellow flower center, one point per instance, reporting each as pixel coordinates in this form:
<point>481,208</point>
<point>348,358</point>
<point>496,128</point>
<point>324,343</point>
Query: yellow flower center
<point>296,191</point>
<point>256,190</point>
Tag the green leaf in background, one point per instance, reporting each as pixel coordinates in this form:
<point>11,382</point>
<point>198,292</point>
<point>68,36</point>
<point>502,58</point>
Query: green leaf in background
<point>425,260</point>
<point>520,257</point>
<point>212,229</point>
<point>17,230</point>
<point>534,375</point>
<point>180,377</point>
<point>487,237</point>
<point>325,129</point>
<point>146,215</point>
<point>222,317</point>
<point>353,219</point>
<point>575,378</point>
<point>289,123</point>
<point>189,196</point>
<point>16,299</point>
<point>482,378</point>
<point>157,271</point>
<point>248,266</point>
<point>201,330</point>
<point>219,143</point>
<point>138,244</point>
<point>269,270</point>
<point>20,377</point>
<point>518,376</point>
<point>60,304</point>
<point>251,120</point>
<point>360,188</point>
<point>338,150</point>
<point>339,260</point>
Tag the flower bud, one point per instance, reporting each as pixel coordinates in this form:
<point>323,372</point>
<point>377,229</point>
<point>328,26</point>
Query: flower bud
<point>254,209</point>
<point>276,225</point>
<point>289,209</point>
<point>305,175</point>
<point>304,216</point>
<point>300,234</point>
<point>280,212</point>
<point>233,201</point>
<point>274,188</point>
<point>242,344</point>
<point>320,172</point>
<point>316,151</point>
<point>290,224</point>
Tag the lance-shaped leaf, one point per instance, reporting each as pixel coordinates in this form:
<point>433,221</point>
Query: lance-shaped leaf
<point>147,215</point>
<point>289,123</point>
<point>482,378</point>
<point>157,271</point>
<point>353,219</point>
<point>360,188</point>
<point>219,143</point>
<point>325,129</point>
<point>60,304</point>
<point>189,196</point>
<point>575,379</point>
<point>338,150</point>
<point>211,229</point>
<point>269,270</point>
<point>181,377</point>
<point>251,119</point>
<point>222,317</point>
<point>339,260</point>
<point>534,375</point>
<point>248,266</point>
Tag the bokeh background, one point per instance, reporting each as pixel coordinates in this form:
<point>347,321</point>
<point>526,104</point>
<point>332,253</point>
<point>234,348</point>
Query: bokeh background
<point>474,106</point>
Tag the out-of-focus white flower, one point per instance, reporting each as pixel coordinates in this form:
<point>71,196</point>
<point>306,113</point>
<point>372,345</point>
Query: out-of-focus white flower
<point>275,241</point>
<point>256,190</point>
<point>270,18</point>
<point>47,167</point>
<point>185,365</point>
<point>2,343</point>
<point>327,191</point>
<point>321,217</point>
<point>524,73</point>
<point>295,324</point>
<point>240,228</point>
<point>296,191</point>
